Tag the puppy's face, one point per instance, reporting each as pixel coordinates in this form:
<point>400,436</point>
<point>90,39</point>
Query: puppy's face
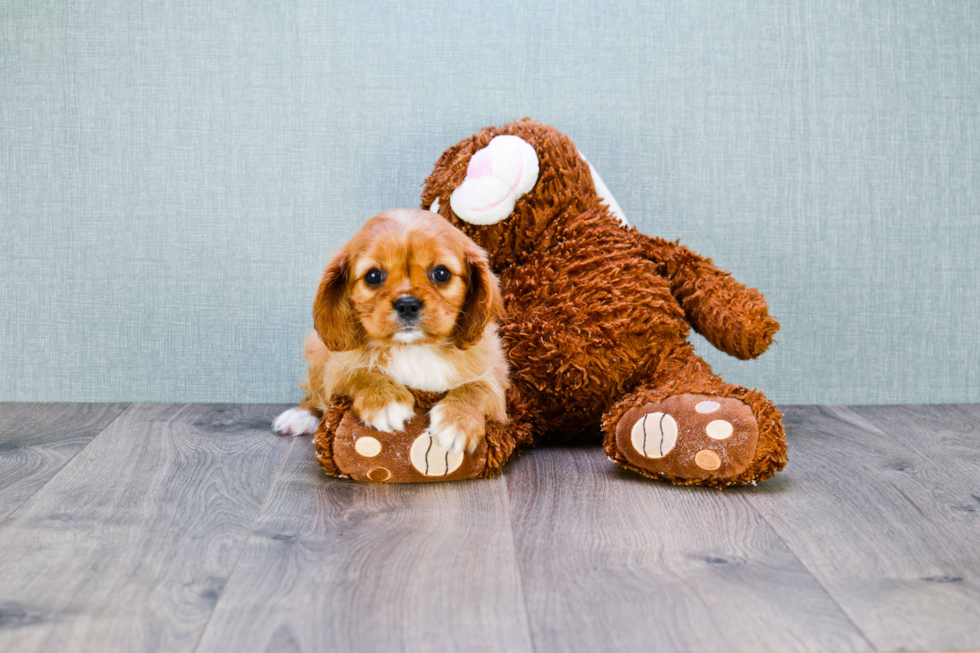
<point>406,277</point>
<point>408,281</point>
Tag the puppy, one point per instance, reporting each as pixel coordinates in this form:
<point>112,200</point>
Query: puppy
<point>408,302</point>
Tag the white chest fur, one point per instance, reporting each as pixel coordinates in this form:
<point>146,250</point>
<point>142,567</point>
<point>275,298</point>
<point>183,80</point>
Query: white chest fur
<point>420,367</point>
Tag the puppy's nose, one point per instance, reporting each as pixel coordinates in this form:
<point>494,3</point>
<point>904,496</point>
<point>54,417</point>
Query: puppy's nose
<point>407,307</point>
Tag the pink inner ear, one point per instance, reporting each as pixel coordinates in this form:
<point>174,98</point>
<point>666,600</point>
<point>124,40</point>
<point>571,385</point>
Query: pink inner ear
<point>480,165</point>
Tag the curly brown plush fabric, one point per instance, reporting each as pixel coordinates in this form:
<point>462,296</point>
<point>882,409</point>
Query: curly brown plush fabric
<point>597,322</point>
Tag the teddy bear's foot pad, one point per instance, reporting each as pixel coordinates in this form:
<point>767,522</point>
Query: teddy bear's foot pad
<point>689,436</point>
<point>407,456</point>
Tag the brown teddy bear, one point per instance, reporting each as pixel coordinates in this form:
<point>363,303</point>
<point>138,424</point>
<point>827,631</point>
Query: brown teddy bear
<point>597,321</point>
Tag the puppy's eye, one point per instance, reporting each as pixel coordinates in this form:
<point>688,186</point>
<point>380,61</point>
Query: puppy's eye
<point>440,274</point>
<point>374,277</point>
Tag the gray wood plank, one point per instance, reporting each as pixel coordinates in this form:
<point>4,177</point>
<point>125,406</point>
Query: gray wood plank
<point>129,546</point>
<point>613,561</point>
<point>341,565</point>
<point>36,440</point>
<point>883,507</point>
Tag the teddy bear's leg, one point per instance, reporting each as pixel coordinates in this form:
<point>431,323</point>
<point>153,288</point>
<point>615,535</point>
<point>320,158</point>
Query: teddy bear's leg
<point>688,426</point>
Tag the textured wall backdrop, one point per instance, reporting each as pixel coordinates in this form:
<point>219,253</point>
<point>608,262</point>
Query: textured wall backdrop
<point>174,174</point>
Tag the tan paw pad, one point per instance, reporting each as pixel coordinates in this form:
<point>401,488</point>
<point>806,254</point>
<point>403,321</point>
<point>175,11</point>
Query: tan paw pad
<point>379,474</point>
<point>707,459</point>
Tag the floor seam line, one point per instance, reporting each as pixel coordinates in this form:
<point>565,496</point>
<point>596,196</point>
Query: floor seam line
<point>241,551</point>
<point>850,620</point>
<point>3,520</point>
<point>517,564</point>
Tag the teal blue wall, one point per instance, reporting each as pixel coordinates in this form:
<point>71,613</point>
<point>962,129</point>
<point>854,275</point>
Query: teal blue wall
<point>174,174</point>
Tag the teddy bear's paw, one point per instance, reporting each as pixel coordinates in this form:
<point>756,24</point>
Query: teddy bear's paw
<point>408,455</point>
<point>689,437</point>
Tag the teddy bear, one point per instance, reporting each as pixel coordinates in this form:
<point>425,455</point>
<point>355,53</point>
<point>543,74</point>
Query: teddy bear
<point>596,326</point>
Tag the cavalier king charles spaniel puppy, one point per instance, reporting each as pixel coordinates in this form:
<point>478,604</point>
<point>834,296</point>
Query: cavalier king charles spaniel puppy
<point>408,302</point>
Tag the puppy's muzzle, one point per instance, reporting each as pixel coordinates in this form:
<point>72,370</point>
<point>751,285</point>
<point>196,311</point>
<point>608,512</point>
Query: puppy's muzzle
<point>408,308</point>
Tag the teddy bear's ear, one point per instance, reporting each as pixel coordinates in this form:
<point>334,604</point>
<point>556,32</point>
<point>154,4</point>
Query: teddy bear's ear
<point>605,196</point>
<point>497,176</point>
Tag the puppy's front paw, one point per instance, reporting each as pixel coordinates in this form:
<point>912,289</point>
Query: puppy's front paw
<point>391,417</point>
<point>386,412</point>
<point>456,427</point>
<point>295,421</point>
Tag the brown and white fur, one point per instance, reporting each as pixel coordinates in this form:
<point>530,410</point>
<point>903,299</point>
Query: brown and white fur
<point>428,324</point>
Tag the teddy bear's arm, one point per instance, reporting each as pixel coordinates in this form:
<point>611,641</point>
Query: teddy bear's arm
<point>731,316</point>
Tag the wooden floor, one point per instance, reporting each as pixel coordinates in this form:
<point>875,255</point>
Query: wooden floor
<point>194,528</point>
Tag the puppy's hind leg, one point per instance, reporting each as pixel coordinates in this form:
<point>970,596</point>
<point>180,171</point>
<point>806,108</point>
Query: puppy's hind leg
<point>304,419</point>
<point>296,421</point>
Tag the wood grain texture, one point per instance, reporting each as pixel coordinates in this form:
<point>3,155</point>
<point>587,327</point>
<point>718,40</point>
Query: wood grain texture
<point>341,565</point>
<point>613,561</point>
<point>140,541</point>
<point>882,504</point>
<point>128,546</point>
<point>36,440</point>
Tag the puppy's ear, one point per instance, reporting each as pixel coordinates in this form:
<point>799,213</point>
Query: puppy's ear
<point>333,314</point>
<point>483,301</point>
